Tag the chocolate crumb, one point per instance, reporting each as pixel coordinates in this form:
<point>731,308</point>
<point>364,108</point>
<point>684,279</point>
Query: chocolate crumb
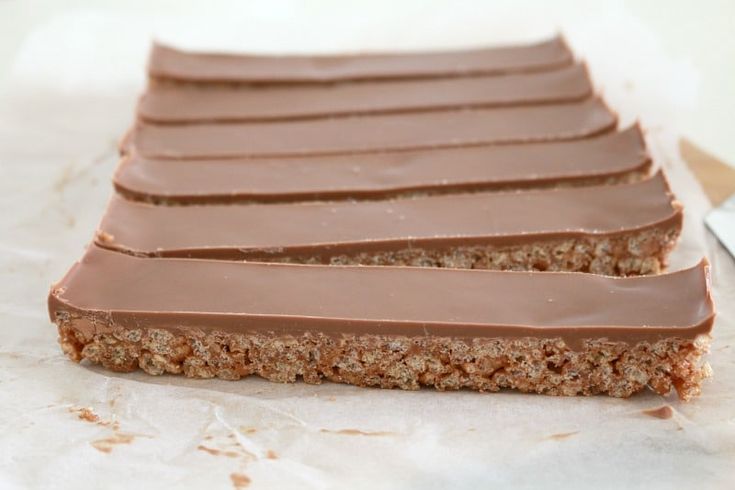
<point>210,450</point>
<point>105,237</point>
<point>89,415</point>
<point>105,445</point>
<point>239,480</point>
<point>662,412</point>
<point>86,414</point>
<point>562,435</point>
<point>218,452</point>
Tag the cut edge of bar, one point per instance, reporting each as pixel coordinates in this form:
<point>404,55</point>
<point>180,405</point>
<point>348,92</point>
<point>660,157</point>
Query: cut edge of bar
<point>637,173</point>
<point>532,365</point>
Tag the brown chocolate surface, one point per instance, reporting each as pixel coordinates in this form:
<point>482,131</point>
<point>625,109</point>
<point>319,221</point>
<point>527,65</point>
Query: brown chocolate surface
<point>381,175</point>
<point>115,289</point>
<point>170,63</point>
<point>177,103</point>
<point>260,231</point>
<point>363,134</point>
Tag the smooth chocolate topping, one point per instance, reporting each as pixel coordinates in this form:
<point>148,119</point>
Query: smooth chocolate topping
<point>232,231</point>
<point>170,63</point>
<point>114,289</point>
<point>176,103</point>
<point>373,133</point>
<point>381,175</point>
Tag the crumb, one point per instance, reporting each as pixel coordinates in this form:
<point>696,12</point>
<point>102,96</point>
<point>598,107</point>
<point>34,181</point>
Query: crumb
<point>218,452</point>
<point>662,412</point>
<point>562,435</point>
<point>239,480</point>
<point>105,445</point>
<point>271,454</point>
<point>209,450</point>
<point>86,414</point>
<point>105,237</point>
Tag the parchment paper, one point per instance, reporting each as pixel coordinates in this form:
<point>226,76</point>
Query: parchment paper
<point>62,425</point>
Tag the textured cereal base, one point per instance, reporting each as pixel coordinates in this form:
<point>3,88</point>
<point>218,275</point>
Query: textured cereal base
<point>534,365</point>
<point>630,254</point>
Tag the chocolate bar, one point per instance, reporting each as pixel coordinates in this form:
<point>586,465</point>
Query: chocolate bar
<point>185,103</point>
<point>607,159</point>
<point>618,229</point>
<point>554,333</point>
<point>167,63</point>
<point>365,134</point>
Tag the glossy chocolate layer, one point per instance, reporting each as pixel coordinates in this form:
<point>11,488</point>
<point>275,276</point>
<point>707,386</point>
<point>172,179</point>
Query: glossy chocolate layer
<point>177,103</point>
<point>363,134</point>
<point>383,175</point>
<point>174,64</point>
<point>322,229</point>
<point>119,290</point>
